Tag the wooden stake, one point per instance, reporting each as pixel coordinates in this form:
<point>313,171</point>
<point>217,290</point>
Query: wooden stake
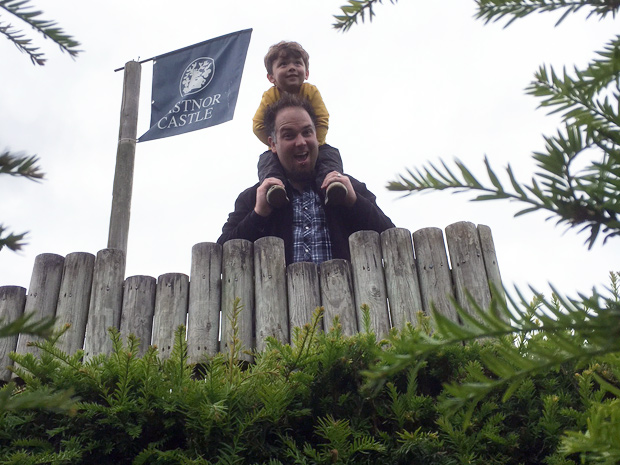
<point>125,157</point>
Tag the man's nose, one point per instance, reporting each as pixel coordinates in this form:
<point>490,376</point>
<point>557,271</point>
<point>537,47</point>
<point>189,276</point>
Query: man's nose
<point>300,140</point>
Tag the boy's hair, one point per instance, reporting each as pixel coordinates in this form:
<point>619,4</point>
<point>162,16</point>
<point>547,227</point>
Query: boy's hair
<point>286,101</point>
<point>285,49</point>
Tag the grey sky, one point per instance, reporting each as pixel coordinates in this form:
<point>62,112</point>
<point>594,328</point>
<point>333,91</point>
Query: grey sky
<point>423,81</point>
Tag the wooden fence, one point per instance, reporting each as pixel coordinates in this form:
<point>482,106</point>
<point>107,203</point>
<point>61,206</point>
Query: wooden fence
<point>395,276</point>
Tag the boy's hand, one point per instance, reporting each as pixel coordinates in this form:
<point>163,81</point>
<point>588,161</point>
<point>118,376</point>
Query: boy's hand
<point>262,207</point>
<point>335,176</point>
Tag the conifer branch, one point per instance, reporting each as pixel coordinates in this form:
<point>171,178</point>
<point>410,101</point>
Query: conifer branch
<point>495,10</point>
<point>354,10</point>
<point>47,28</point>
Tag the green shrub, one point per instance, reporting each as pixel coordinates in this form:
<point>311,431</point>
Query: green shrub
<point>304,403</point>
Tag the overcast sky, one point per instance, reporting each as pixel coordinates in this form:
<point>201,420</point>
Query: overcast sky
<point>423,81</point>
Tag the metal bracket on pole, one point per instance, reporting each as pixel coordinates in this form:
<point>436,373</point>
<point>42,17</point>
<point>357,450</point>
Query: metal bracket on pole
<point>125,158</point>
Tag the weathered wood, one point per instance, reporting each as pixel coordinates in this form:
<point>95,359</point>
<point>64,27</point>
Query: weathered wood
<point>336,284</point>
<point>384,273</point>
<point>105,301</point>
<point>468,271</point>
<point>401,277</point>
<point>170,310</point>
<point>42,295</point>
<point>304,295</point>
<point>138,309</point>
<point>238,282</point>
<point>434,272</point>
<point>12,303</point>
<point>490,261</point>
<point>205,294</point>
<point>125,159</point>
<point>74,299</point>
<point>369,281</point>
<point>270,291</point>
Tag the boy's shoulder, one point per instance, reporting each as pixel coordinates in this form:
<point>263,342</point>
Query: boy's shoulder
<point>307,88</point>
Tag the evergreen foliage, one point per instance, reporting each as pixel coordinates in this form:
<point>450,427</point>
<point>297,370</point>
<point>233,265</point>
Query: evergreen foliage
<point>22,10</point>
<point>18,164</point>
<point>23,166</point>
<point>578,182</point>
<point>304,403</point>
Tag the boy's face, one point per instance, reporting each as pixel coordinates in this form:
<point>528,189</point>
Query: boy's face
<point>289,73</point>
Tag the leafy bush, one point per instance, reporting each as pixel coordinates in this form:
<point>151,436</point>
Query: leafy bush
<point>304,403</point>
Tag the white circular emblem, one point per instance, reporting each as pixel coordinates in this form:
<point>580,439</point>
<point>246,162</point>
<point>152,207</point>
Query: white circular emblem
<point>197,76</point>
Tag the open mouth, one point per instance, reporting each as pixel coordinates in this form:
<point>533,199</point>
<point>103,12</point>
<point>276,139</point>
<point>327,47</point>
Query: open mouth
<point>301,157</point>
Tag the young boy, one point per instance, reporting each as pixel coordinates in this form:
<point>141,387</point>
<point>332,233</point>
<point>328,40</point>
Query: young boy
<point>287,66</point>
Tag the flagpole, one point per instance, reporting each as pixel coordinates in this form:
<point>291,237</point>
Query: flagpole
<point>125,158</point>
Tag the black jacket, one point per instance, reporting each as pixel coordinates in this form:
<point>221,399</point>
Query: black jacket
<point>342,221</point>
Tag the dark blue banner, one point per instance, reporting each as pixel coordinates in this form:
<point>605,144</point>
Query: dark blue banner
<point>197,86</point>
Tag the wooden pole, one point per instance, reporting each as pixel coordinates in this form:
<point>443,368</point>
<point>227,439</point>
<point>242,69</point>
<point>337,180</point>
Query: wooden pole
<point>12,303</point>
<point>125,157</point>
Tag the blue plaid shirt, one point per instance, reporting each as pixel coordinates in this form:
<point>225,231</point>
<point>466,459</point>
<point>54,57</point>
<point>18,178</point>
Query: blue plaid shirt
<point>311,241</point>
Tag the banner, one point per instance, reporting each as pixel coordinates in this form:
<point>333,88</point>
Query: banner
<point>197,86</point>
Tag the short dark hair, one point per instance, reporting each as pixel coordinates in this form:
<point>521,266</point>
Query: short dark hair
<point>285,49</point>
<point>286,101</point>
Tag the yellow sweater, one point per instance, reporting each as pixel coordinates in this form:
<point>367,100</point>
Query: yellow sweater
<point>308,91</point>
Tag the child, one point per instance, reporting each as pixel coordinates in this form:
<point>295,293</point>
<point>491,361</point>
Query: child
<point>287,66</point>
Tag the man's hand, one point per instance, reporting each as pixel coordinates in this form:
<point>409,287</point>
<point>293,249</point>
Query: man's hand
<point>335,176</point>
<point>262,207</point>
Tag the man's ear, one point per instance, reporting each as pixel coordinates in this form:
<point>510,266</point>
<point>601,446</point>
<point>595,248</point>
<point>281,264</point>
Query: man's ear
<point>272,144</point>
<point>273,79</point>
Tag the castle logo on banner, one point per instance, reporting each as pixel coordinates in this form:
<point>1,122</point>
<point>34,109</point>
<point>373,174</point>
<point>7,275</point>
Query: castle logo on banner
<point>197,86</point>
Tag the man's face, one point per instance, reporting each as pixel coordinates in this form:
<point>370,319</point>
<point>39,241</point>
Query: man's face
<point>295,143</point>
<point>289,74</point>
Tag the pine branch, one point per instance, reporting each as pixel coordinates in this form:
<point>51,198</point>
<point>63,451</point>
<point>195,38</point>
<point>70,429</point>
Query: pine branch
<point>20,165</point>
<point>26,324</point>
<point>11,240</point>
<point>496,10</point>
<point>552,333</point>
<point>49,29</point>
<point>356,9</point>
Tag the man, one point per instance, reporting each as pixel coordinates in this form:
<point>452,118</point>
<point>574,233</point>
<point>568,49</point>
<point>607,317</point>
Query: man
<point>311,230</point>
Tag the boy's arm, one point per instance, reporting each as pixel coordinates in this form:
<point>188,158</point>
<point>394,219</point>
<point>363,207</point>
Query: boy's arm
<point>322,116</point>
<point>270,96</point>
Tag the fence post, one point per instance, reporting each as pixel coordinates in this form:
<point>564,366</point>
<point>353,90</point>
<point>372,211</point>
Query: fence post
<point>238,282</point>
<point>434,272</point>
<point>74,299</point>
<point>105,301</point>
<point>170,310</point>
<point>304,295</point>
<point>270,291</point>
<point>468,271</point>
<point>401,277</point>
<point>337,295</point>
<point>138,309</point>
<point>43,293</point>
<point>12,302</point>
<point>369,281</point>
<point>490,261</point>
<point>205,297</point>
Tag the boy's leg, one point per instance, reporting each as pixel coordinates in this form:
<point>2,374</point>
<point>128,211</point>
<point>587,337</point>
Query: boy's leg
<point>269,167</point>
<point>329,160</point>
